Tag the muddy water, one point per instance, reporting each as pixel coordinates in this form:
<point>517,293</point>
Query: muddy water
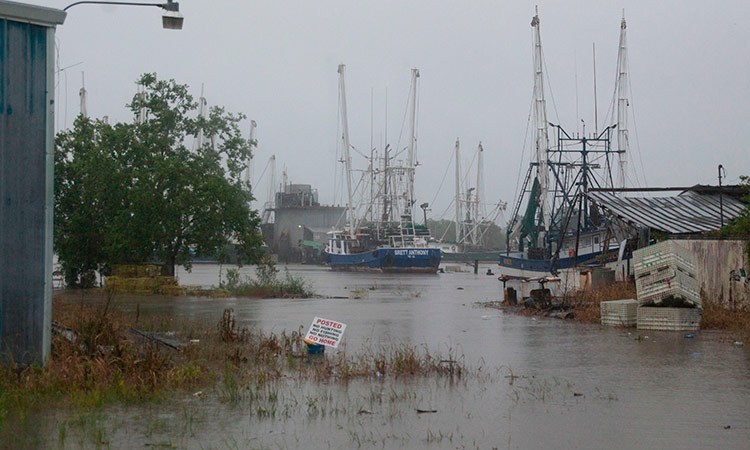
<point>549,384</point>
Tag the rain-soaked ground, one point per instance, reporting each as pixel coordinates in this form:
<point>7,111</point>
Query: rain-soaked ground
<point>543,383</point>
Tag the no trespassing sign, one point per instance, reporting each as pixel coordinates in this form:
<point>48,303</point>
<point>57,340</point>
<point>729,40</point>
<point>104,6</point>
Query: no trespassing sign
<point>325,332</point>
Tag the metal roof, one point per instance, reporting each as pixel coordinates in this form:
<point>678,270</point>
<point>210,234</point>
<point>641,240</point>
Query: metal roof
<point>688,212</point>
<point>23,12</point>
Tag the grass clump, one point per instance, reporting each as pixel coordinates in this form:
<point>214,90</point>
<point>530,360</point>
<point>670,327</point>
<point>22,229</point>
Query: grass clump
<point>587,303</point>
<point>266,283</point>
<point>735,320</point>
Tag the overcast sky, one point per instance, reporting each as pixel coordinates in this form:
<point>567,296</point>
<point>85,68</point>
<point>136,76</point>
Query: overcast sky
<point>276,62</point>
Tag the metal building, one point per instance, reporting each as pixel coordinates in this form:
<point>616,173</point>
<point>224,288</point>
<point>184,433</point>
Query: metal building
<point>27,69</point>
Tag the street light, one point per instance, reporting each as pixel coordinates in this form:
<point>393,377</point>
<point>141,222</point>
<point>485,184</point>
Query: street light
<point>170,20</point>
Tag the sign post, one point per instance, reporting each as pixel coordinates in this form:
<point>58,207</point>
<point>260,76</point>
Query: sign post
<point>325,332</point>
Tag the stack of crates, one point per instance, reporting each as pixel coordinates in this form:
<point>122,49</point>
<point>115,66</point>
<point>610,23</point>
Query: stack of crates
<point>663,270</point>
<point>620,313</point>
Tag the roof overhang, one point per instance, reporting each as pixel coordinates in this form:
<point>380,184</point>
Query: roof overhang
<point>687,213</point>
<point>38,15</point>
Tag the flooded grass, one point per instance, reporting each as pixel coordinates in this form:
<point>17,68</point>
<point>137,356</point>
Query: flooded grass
<point>734,320</point>
<point>586,304</point>
<point>97,361</point>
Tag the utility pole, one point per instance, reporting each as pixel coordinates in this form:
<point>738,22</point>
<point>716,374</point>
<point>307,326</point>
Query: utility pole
<point>722,173</point>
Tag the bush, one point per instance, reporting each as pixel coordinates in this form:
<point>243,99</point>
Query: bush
<point>266,283</point>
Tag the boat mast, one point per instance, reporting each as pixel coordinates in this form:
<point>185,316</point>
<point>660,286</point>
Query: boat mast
<point>412,143</point>
<point>347,156</point>
<point>248,172</point>
<point>622,104</point>
<point>201,113</point>
<point>540,118</point>
<point>477,198</point>
<point>82,93</point>
<point>458,193</point>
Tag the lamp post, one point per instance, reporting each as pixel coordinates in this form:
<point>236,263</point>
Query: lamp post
<point>171,19</point>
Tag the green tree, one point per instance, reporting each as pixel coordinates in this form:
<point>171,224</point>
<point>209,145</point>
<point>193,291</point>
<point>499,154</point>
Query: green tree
<point>143,191</point>
<point>740,226</point>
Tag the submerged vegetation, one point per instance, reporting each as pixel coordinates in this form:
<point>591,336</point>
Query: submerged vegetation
<point>266,283</point>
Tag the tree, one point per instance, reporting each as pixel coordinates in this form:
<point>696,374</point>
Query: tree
<point>144,191</point>
<point>740,226</point>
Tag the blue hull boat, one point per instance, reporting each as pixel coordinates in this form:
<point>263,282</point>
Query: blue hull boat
<point>388,260</point>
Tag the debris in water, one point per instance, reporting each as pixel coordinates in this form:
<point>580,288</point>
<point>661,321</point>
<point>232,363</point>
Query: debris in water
<point>689,336</point>
<point>460,288</point>
<point>364,411</point>
<point>577,394</point>
<point>727,427</point>
<point>426,411</point>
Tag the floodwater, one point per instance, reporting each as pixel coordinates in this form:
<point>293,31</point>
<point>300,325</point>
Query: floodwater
<point>549,384</point>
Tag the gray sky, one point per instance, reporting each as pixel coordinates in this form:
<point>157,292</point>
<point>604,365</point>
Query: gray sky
<point>276,62</point>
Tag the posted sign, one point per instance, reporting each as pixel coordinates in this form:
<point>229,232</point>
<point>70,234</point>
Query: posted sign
<point>325,332</point>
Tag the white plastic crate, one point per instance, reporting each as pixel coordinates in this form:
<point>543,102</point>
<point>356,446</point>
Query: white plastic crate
<point>619,313</point>
<point>669,319</point>
<point>660,274</point>
<point>679,285</point>
<point>663,254</point>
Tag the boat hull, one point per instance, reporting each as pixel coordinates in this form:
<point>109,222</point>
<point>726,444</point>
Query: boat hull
<point>388,260</point>
<point>524,267</point>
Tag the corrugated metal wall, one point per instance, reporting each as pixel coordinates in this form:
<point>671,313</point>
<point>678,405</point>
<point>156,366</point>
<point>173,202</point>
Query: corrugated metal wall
<point>24,171</point>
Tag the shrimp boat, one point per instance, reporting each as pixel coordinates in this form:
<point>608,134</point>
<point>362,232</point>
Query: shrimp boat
<point>559,227</point>
<point>385,237</point>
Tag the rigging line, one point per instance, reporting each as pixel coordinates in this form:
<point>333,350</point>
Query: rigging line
<point>360,153</point>
<point>473,158</point>
<point>403,122</point>
<point>257,183</point>
<point>611,107</point>
<point>521,160</point>
<point>442,216</point>
<point>445,175</point>
<point>635,128</point>
<point>549,84</point>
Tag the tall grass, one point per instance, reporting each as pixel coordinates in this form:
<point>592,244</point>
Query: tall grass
<point>266,283</point>
<point>587,303</point>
